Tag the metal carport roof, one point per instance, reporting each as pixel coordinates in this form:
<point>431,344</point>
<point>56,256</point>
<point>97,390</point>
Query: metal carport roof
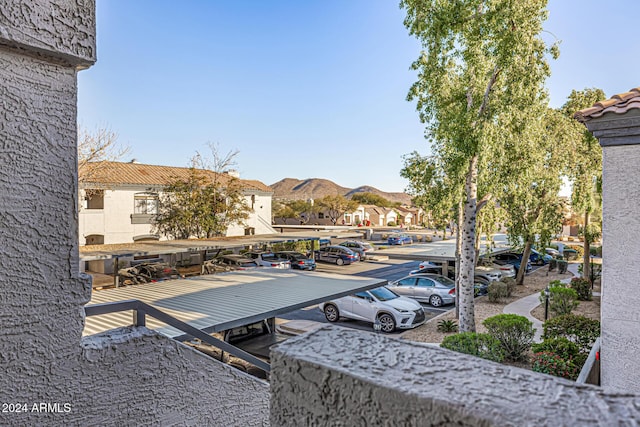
<point>218,302</point>
<point>439,251</point>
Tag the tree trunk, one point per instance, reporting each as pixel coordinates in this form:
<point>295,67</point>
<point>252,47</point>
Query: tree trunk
<point>458,252</point>
<point>586,264</point>
<point>523,263</point>
<point>467,320</point>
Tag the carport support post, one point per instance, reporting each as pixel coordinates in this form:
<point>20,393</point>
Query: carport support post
<point>115,272</point>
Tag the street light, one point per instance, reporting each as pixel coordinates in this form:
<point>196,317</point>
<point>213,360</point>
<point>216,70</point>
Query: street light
<point>377,326</point>
<point>546,302</point>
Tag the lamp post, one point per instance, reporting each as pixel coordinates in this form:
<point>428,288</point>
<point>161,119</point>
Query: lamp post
<point>546,303</point>
<point>377,326</point>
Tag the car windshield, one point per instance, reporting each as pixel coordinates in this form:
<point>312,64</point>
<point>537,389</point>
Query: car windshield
<point>247,264</point>
<point>383,294</point>
<point>269,257</point>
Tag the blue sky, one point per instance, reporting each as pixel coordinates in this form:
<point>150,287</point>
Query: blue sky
<point>302,89</point>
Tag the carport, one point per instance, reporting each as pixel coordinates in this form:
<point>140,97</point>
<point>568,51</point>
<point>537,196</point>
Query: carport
<point>214,303</point>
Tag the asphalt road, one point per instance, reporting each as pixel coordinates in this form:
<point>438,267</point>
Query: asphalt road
<point>390,270</point>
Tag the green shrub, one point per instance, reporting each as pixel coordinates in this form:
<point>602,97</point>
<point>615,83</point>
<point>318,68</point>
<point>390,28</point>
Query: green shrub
<point>481,345</point>
<point>511,284</point>
<point>391,224</point>
<point>560,346</point>
<point>582,288</point>
<point>562,300</point>
<point>578,329</point>
<point>553,246</point>
<point>514,332</point>
<point>553,364</point>
<point>562,266</point>
<point>447,326</point>
<point>497,291</point>
<point>553,263</point>
<point>595,250</point>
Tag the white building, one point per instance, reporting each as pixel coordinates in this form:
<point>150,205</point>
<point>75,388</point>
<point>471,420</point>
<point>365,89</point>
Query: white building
<point>118,202</point>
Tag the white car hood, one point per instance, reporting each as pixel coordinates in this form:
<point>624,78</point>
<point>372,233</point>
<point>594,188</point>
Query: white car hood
<point>403,303</point>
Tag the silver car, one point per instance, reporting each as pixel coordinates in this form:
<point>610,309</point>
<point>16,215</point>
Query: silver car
<point>390,309</point>
<point>435,289</point>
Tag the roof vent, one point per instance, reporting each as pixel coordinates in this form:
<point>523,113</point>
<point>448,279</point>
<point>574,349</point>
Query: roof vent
<point>135,161</point>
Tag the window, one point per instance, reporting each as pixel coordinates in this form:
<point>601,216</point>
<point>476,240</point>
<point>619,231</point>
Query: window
<point>145,204</point>
<point>426,283</point>
<point>320,215</point>
<point>409,281</point>
<point>94,198</point>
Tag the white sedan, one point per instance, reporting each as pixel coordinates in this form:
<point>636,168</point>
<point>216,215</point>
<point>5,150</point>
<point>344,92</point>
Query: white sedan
<point>390,309</point>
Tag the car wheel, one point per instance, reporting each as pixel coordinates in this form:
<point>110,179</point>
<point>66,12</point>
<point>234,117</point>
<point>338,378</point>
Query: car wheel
<point>339,261</point>
<point>331,313</point>
<point>387,323</point>
<point>435,300</point>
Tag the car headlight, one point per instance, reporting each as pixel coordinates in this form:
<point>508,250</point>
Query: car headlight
<point>404,311</point>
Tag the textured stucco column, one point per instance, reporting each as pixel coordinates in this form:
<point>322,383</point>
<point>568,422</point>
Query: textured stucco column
<point>42,44</point>
<point>337,376</point>
<point>619,135</point>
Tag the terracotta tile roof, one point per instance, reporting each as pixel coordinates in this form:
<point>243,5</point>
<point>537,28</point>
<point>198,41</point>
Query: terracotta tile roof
<point>118,173</point>
<point>618,104</point>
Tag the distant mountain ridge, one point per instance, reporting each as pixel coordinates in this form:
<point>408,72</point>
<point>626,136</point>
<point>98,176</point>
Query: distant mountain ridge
<point>317,188</point>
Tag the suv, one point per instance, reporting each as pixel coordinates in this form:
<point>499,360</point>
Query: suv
<point>513,259</point>
<point>380,304</point>
<point>336,254</point>
<point>363,249</point>
<point>268,259</point>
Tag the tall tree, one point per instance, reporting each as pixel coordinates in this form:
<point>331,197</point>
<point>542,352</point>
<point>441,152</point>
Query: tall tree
<point>481,59</point>
<point>585,172</point>
<point>336,206</point>
<point>373,199</point>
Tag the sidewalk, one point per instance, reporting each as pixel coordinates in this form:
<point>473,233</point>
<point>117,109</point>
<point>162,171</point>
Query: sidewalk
<point>524,306</point>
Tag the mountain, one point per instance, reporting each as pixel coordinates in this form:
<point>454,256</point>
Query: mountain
<point>317,188</point>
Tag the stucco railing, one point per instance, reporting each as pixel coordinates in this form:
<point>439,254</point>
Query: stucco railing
<point>590,373</point>
<point>141,310</point>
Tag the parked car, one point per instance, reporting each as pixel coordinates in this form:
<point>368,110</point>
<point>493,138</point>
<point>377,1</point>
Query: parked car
<point>147,272</point>
<point>268,259</point>
<point>336,254</point>
<point>435,289</point>
<point>362,248</point>
<point>399,239</point>
<point>238,262</point>
<point>539,258</point>
<point>298,261</point>
<point>551,251</point>
<point>506,270</point>
<point>511,258</point>
<point>390,309</point>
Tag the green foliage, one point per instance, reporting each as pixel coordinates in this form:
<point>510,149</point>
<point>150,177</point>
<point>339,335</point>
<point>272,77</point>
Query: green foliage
<point>560,346</point>
<point>553,364</point>
<point>582,288</point>
<point>336,206</point>
<point>561,300</point>
<point>446,325</point>
<point>497,291</point>
<point>562,266</point>
<point>372,199</point>
<point>301,246</point>
<point>577,329</point>
<point>481,345</point>
<point>511,284</point>
<point>202,204</point>
<point>392,224</point>
<point>595,250</point>
<point>514,332</point>
<point>553,246</point>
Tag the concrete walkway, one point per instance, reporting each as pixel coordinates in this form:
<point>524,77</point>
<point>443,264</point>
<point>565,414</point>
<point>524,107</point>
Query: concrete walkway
<point>524,306</point>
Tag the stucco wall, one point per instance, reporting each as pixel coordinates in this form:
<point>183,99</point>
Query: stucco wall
<point>130,377</point>
<point>336,376</point>
<point>621,269</point>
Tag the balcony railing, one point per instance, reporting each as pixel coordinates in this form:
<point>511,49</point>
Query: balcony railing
<point>141,310</point>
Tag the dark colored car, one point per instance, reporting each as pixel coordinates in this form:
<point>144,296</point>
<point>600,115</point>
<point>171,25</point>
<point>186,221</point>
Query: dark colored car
<point>399,239</point>
<point>511,258</point>
<point>336,254</point>
<point>238,262</point>
<point>362,248</point>
<point>539,258</point>
<point>298,260</point>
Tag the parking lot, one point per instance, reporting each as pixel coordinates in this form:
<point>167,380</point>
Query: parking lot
<point>389,270</point>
